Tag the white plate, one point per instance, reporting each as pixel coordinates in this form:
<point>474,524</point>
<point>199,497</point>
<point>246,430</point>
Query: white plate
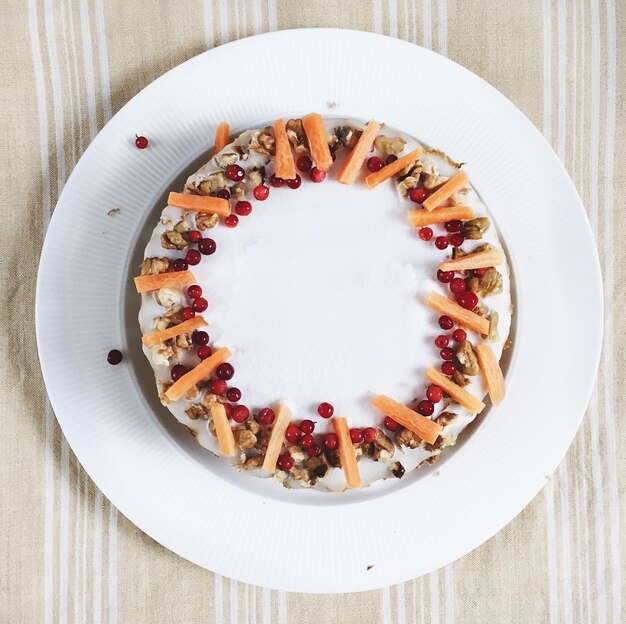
<point>165,483</point>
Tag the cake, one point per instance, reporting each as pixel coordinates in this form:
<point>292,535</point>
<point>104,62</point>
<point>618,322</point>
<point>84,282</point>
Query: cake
<point>326,303</point>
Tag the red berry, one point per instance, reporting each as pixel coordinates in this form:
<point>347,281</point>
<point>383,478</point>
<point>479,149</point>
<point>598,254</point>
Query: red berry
<point>285,462</point>
<point>223,194</point>
<point>448,368</point>
<point>292,434</point>
<point>445,276</point>
<point>204,352</point>
<point>261,192</point>
<point>314,451</point>
<point>200,304</point>
<point>467,300</point>
<point>276,182</point>
<point>307,426</point>
<point>331,441</point>
<point>218,386</point>
<point>425,408</point>
<point>207,246</point>
<point>480,272</point>
<point>187,313</point>
<point>235,173</point>
<point>456,239</point>
<point>441,341</point>
<point>200,338</point>
<point>425,233</point>
<point>317,175</point>
<point>459,335</point>
<point>391,158</point>
<point>325,410</point>
<point>141,142</point>
<point>453,226</point>
<point>178,371</point>
<point>240,413</point>
<point>193,257</point>
<point>457,285</point>
<point>243,208</point>
<point>225,371</point>
<point>114,357</point>
<point>446,354</point>
<point>228,408</point>
<point>375,164</point>
<point>418,195</point>
<point>193,236</point>
<point>390,423</point>
<point>295,183</point>
<point>441,242</point>
<point>180,265</point>
<point>434,393</point>
<point>233,394</point>
<point>307,441</point>
<point>304,164</point>
<point>369,434</point>
<point>194,291</point>
<point>445,322</point>
<point>266,416</point>
<point>231,221</point>
<point>356,435</point>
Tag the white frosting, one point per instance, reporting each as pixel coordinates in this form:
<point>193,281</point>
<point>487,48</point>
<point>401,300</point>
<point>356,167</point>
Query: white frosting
<point>319,294</point>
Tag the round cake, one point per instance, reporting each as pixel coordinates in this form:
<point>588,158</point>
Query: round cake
<point>325,302</point>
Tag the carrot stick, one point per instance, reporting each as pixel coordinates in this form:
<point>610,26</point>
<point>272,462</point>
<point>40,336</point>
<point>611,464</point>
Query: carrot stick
<point>443,193</point>
<point>478,260</point>
<point>354,161</point>
<point>347,454</point>
<point>283,418</point>
<point>284,165</point>
<point>197,374</point>
<point>156,337</point>
<point>421,217</point>
<point>222,134</point>
<point>318,141</point>
<point>459,314</point>
<point>390,170</point>
<point>491,372</point>
<point>420,425</point>
<point>460,395</point>
<point>199,203</point>
<point>145,283</point>
<point>223,430</point>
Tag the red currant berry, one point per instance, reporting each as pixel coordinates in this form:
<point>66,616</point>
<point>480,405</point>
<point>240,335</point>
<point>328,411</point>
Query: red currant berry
<point>441,242</point>
<point>295,183</point>
<point>325,410</point>
<point>375,164</point>
<point>446,354</point>
<point>467,300</point>
<point>445,277</point>
<point>266,416</point>
<point>441,341</point>
<point>434,393</point>
<point>231,221</point>
<point>425,408</point>
<point>307,441</point>
<point>391,158</point>
<point>243,208</point>
<point>390,423</point>
<point>457,285</point>
<point>369,434</point>
<point>114,357</point>
<point>307,426</point>
<point>235,173</point>
<point>178,371</point>
<point>233,394</point>
<point>193,257</point>
<point>356,435</point>
<point>204,352</point>
<point>276,182</point>
<point>200,304</point>
<point>418,195</point>
<point>218,386</point>
<point>425,233</point>
<point>223,194</point>
<point>317,175</point>
<point>445,322</point>
<point>228,408</point>
<point>240,413</point>
<point>207,246</point>
<point>314,451</point>
<point>285,462</point>
<point>261,192</point>
<point>456,239</point>
<point>459,335</point>
<point>480,272</point>
<point>187,313</point>
<point>292,434</point>
<point>331,441</point>
<point>141,142</point>
<point>193,236</point>
<point>304,164</point>
<point>180,265</point>
<point>448,368</point>
<point>194,291</point>
<point>225,371</point>
<point>453,226</point>
<point>200,338</point>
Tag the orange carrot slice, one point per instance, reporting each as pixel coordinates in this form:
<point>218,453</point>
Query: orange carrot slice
<point>197,374</point>
<point>283,418</point>
<point>459,314</point>
<point>374,179</point>
<point>460,395</point>
<point>199,203</point>
<point>145,283</point>
<point>347,454</point>
<point>223,430</point>
<point>491,372</point>
<point>284,165</point>
<point>222,134</point>
<point>318,140</point>
<point>156,337</point>
<point>478,260</point>
<point>354,161</point>
<point>424,427</point>
<point>420,218</point>
<point>446,191</point>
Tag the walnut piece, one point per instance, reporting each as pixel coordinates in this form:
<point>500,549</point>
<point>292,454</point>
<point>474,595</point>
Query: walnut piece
<point>253,463</point>
<point>171,239</point>
<point>381,449</point>
<point>192,393</point>
<point>475,228</point>
<point>316,466</point>
<point>163,352</point>
<point>459,379</point>
<point>184,341</point>
<point>195,411</point>
<point>489,284</point>
<point>263,142</point>
<point>398,470</point>
<point>466,358</point>
<point>255,176</point>
<point>297,136</point>
<point>154,266</point>
<point>405,437</point>
<point>237,191</point>
<point>432,181</point>
<point>163,387</point>
<point>389,145</point>
<point>223,160</point>
<point>494,334</point>
<point>167,297</point>
<point>244,439</point>
<point>206,221</point>
<point>407,184</point>
<point>347,136</point>
<point>261,432</point>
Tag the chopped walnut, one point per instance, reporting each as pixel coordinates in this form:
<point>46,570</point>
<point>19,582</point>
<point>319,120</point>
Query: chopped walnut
<point>167,297</point>
<point>398,470</point>
<point>475,228</point>
<point>163,352</point>
<point>347,136</point>
<point>297,454</point>
<point>253,463</point>
<point>154,266</point>
<point>163,387</point>
<point>494,334</point>
<point>389,145</point>
<point>466,358</point>
<point>263,142</point>
<point>302,474</point>
<point>261,432</point>
<point>432,459</point>
<point>206,221</point>
<point>297,136</point>
<point>445,418</point>
<point>223,160</point>
<point>171,239</point>
<point>195,411</point>
<point>244,438</point>
<point>407,184</point>
<point>255,176</point>
<point>489,284</point>
<point>381,449</point>
<point>333,458</point>
<point>184,341</point>
<point>209,398</point>
<point>405,437</point>
<point>242,151</point>
<point>459,379</point>
<point>316,466</point>
<point>432,182</point>
<point>238,191</point>
<point>192,393</point>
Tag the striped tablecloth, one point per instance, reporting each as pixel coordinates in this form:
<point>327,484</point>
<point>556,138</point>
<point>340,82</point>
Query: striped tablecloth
<point>67,555</point>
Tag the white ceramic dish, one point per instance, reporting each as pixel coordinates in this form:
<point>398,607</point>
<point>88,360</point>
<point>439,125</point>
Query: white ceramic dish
<point>158,476</point>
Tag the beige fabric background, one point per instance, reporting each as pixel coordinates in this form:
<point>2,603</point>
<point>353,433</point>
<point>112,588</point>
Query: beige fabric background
<point>66,554</point>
